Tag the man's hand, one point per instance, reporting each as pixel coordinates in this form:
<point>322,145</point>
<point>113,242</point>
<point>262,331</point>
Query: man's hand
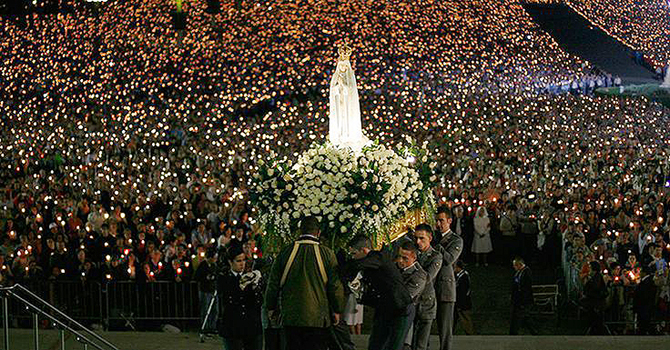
<point>273,317</point>
<point>336,319</point>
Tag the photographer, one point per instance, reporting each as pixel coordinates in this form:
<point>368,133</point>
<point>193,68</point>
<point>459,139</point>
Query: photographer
<point>206,277</point>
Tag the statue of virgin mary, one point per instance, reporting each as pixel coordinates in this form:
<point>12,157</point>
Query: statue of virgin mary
<point>345,114</point>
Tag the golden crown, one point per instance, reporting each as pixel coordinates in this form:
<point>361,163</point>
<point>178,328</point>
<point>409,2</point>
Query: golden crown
<point>345,52</point>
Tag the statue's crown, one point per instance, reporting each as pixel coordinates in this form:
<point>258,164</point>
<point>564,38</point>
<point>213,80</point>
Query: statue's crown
<point>345,52</point>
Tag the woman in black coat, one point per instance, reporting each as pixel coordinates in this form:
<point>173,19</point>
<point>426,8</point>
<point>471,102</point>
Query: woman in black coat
<point>241,297</point>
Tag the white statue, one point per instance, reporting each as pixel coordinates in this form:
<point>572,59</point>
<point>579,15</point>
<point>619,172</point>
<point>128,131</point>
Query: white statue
<point>666,81</point>
<point>345,113</point>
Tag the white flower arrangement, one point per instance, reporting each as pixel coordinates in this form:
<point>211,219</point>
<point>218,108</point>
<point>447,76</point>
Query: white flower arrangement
<point>349,192</point>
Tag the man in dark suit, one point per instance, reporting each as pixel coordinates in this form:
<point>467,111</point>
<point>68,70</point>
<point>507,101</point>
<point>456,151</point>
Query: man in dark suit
<point>431,261</point>
<point>241,297</point>
<point>522,297</point>
<point>643,300</point>
<point>206,277</point>
<point>383,289</point>
<point>463,298</point>
<point>450,246</point>
<point>312,297</point>
<point>595,294</point>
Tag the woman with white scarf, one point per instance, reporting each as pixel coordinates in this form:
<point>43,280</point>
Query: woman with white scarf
<point>481,244</point>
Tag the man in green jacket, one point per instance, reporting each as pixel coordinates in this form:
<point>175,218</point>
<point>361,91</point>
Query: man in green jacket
<point>304,290</point>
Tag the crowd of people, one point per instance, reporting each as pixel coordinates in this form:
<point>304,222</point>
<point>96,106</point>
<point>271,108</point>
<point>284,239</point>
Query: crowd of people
<point>126,146</point>
<point>641,24</point>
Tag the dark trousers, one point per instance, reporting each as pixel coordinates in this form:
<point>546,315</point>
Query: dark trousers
<point>445,324</point>
<point>341,338</point>
<point>300,338</point>
<point>644,322</point>
<point>465,318</point>
<point>273,339</point>
<point>421,333</point>
<point>389,329</point>
<point>521,318</point>
<point>247,343</point>
<point>596,322</point>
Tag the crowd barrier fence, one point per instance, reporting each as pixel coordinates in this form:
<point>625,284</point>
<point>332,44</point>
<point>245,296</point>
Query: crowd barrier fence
<point>115,302</point>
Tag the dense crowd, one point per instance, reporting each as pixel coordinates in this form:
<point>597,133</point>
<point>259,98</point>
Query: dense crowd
<point>642,24</point>
<point>126,146</point>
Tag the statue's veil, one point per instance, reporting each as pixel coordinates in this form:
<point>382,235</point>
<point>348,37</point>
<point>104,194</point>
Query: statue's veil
<point>345,113</point>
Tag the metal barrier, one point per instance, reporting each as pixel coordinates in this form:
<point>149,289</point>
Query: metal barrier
<point>152,301</point>
<point>117,302</point>
<point>82,301</point>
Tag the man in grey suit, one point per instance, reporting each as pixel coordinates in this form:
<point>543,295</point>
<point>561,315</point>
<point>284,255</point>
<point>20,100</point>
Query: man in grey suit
<point>450,247</point>
<point>431,261</point>
<point>414,278</point>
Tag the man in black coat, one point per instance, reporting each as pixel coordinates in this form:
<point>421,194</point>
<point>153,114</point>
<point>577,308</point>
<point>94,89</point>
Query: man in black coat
<point>595,293</point>
<point>643,300</point>
<point>383,289</point>
<point>463,299</point>
<point>205,275</point>
<point>522,298</point>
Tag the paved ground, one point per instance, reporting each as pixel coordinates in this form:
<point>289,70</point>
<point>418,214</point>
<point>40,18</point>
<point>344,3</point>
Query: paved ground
<point>21,339</point>
<point>577,36</point>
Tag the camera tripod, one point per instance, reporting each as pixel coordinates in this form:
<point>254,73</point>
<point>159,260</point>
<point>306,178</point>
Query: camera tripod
<point>209,311</point>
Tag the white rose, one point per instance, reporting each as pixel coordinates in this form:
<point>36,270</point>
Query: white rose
<point>285,205</point>
<point>296,214</point>
<point>357,205</point>
<point>271,172</point>
<point>375,207</point>
<point>343,229</point>
<point>331,224</point>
